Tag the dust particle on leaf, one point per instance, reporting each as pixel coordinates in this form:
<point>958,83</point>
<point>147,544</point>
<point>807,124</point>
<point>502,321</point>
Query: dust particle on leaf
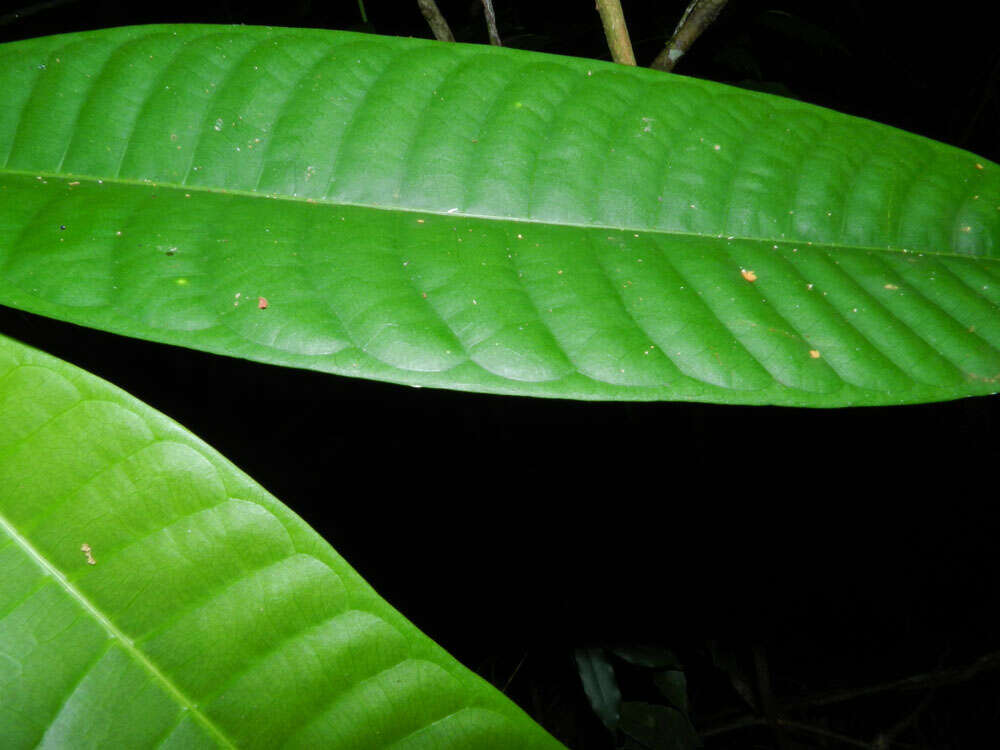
<point>85,549</point>
<point>814,353</point>
<point>748,274</point>
<point>262,303</point>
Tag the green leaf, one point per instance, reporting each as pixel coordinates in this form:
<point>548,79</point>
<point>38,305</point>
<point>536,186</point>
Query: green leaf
<point>673,685</point>
<point>154,596</point>
<point>488,219</point>
<point>599,683</point>
<point>658,727</point>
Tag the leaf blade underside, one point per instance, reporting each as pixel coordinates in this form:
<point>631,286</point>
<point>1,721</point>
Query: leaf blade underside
<point>491,220</point>
<point>154,596</point>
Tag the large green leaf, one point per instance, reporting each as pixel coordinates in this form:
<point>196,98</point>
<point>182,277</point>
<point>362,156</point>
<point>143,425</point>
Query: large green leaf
<point>152,595</point>
<point>489,219</point>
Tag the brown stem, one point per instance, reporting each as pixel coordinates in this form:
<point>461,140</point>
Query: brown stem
<point>616,31</point>
<point>698,16</point>
<point>491,23</point>
<point>442,32</point>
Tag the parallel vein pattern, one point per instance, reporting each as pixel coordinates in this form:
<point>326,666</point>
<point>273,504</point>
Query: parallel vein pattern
<point>152,596</point>
<point>486,219</point>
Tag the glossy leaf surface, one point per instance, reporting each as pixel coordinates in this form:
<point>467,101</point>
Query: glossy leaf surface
<point>152,595</point>
<point>488,219</point>
<point>599,683</point>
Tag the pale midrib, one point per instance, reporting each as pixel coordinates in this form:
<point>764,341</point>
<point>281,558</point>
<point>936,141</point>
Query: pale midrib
<point>457,213</point>
<point>114,632</point>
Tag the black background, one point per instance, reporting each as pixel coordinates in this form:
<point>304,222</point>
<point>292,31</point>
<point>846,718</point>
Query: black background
<point>855,544</point>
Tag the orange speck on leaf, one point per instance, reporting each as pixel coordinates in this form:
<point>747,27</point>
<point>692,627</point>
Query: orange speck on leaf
<point>748,274</point>
<point>814,353</point>
<point>262,303</point>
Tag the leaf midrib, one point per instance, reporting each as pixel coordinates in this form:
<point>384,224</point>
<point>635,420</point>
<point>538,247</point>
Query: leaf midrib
<point>114,632</point>
<point>809,244</point>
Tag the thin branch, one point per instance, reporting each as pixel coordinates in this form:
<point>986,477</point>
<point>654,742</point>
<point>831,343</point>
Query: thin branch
<point>442,32</point>
<point>514,673</point>
<point>799,727</point>
<point>925,681</point>
<point>616,31</point>
<point>929,680</point>
<point>816,731</point>
<point>30,10</point>
<point>491,23</point>
<point>886,739</point>
<point>698,16</point>
<point>767,697</point>
<point>364,16</point>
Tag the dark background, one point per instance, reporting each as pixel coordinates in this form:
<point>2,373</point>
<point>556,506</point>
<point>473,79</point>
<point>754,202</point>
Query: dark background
<point>855,545</point>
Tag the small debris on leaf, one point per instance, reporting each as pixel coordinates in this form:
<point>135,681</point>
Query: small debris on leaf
<point>748,274</point>
<point>85,549</point>
<point>262,303</point>
<point>814,353</point>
